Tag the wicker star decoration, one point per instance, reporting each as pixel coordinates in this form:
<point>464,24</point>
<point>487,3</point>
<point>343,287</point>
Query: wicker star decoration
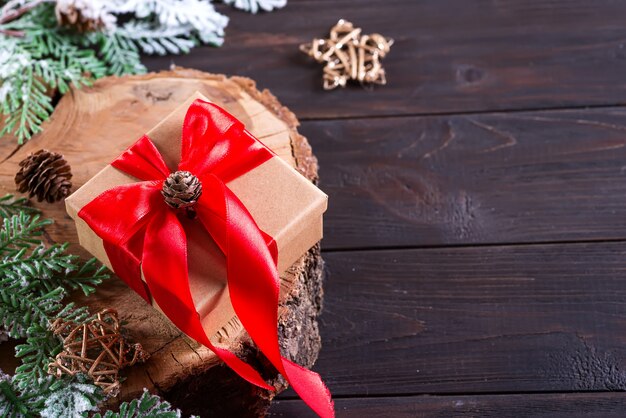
<point>349,55</point>
<point>96,349</point>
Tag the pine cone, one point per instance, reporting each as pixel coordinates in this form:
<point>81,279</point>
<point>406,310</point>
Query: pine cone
<point>81,15</point>
<point>181,189</point>
<point>46,175</point>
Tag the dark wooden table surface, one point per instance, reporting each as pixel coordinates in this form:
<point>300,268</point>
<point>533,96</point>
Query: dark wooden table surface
<point>476,236</point>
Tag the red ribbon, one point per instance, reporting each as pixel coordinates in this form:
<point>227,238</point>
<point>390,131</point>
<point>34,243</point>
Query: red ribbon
<point>141,233</point>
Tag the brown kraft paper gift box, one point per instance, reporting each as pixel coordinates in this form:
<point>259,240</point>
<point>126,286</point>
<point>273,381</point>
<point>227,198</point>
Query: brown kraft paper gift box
<point>283,203</point>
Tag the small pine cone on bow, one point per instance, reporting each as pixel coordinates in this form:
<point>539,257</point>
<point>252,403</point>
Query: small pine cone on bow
<point>83,15</point>
<point>44,174</point>
<point>181,190</point>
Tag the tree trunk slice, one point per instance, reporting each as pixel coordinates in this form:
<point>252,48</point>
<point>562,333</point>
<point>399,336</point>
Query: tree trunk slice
<point>91,126</point>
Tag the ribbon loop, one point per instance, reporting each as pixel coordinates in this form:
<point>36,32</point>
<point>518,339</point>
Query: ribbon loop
<point>214,142</point>
<point>142,160</point>
<point>141,233</point>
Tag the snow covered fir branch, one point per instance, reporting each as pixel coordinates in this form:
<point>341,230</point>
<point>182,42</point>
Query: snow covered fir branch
<point>52,45</point>
<point>35,278</point>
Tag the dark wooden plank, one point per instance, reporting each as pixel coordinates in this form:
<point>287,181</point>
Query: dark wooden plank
<point>560,405</point>
<point>475,319</point>
<point>450,55</point>
<point>491,178</point>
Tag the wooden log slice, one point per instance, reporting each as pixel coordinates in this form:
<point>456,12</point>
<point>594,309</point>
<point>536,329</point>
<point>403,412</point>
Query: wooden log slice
<point>91,126</point>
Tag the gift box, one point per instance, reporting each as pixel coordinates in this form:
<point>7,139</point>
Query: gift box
<point>283,203</point>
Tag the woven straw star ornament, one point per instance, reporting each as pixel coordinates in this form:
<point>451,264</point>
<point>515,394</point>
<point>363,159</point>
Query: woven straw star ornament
<point>349,55</point>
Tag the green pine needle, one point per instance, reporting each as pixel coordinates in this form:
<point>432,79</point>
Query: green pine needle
<point>10,205</point>
<point>71,399</point>
<point>48,57</point>
<point>49,398</point>
<point>12,404</point>
<point>147,406</point>
<point>35,356</point>
<point>34,280</point>
<point>19,232</point>
<point>120,54</point>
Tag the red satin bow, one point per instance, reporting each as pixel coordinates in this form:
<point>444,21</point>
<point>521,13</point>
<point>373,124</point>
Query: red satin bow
<point>140,232</point>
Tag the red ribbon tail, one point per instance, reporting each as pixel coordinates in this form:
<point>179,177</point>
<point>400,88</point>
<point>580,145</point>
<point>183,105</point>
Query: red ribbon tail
<point>254,289</point>
<point>127,267</point>
<point>310,387</point>
<point>243,369</point>
<point>164,265</point>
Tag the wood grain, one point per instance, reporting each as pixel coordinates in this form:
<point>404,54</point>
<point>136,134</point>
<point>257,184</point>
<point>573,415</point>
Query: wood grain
<point>508,319</point>
<point>560,405</point>
<point>450,55</point>
<point>475,179</point>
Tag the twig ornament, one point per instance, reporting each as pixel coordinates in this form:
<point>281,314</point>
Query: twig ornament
<point>349,55</point>
<point>96,349</point>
